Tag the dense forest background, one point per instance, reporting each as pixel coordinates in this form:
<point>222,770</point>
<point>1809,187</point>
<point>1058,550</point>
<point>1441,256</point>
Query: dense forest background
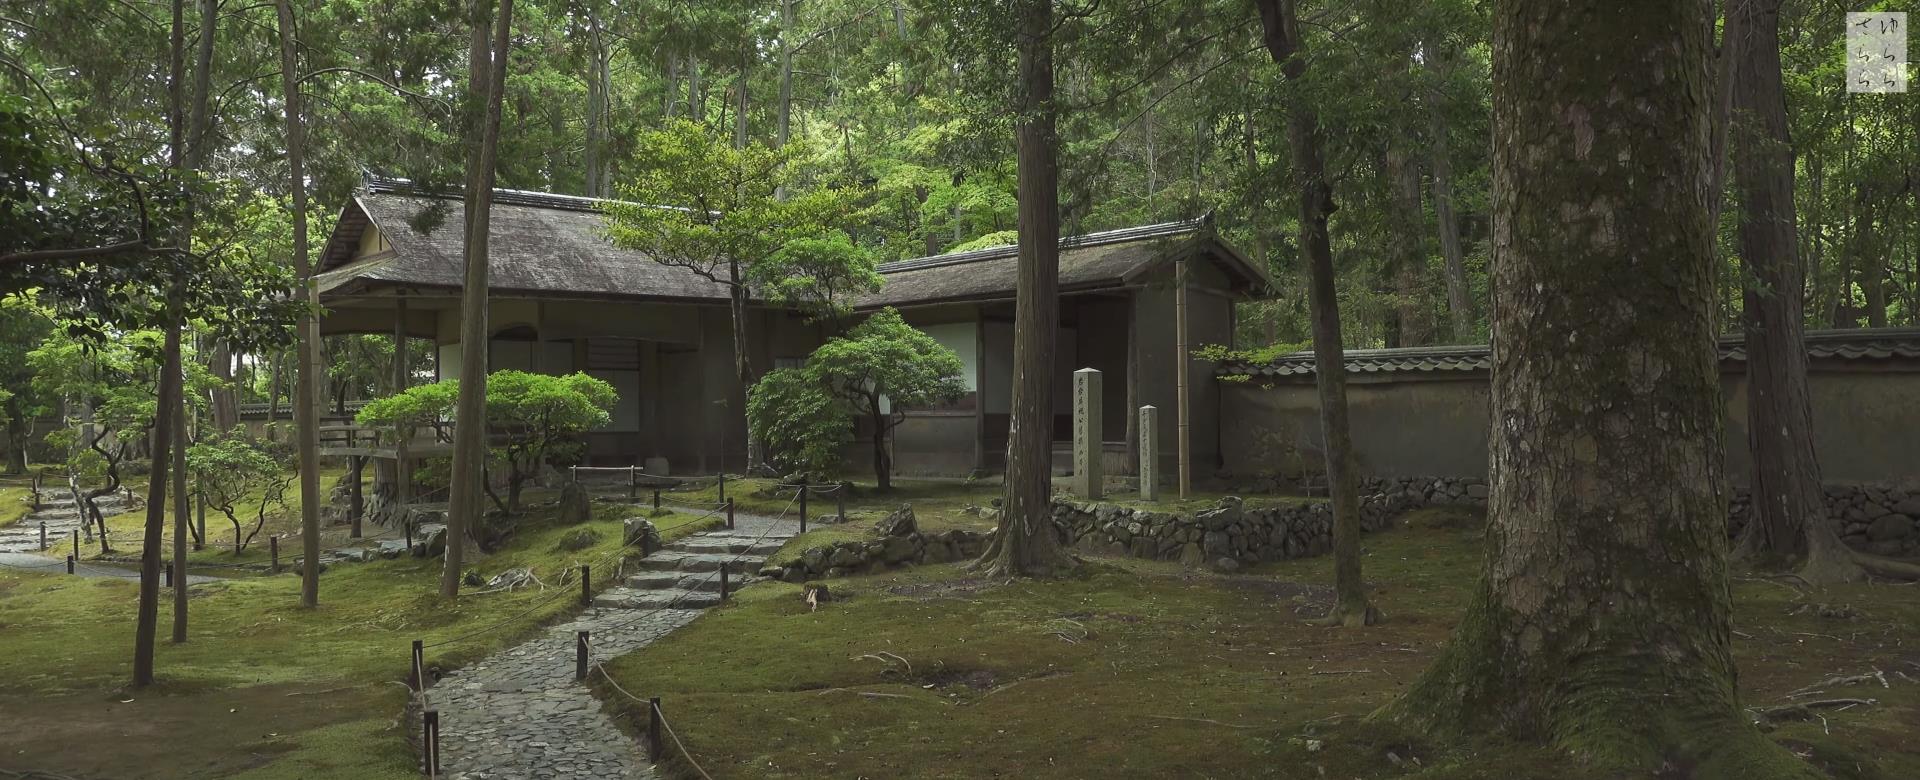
<point>1168,111</point>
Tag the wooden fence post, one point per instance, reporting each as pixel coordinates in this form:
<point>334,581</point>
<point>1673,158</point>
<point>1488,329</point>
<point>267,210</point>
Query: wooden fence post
<point>586,585</point>
<point>653,729</point>
<point>417,667</point>
<point>273,548</point>
<point>580,657</point>
<point>729,514</point>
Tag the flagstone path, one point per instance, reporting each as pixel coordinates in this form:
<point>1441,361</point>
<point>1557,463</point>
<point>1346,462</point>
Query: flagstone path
<point>519,714</point>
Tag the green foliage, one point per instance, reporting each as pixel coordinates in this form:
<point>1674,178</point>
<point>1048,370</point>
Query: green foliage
<point>803,423</point>
<point>740,217</point>
<point>233,471</point>
<point>879,369</point>
<point>537,418</point>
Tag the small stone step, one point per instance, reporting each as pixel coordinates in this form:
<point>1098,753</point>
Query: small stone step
<point>725,544</point>
<point>697,562</point>
<point>671,580</point>
<point>625,598</point>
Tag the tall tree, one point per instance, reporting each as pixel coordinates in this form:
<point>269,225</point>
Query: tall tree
<point>1601,623</point>
<point>1789,520</point>
<point>1026,543</point>
<point>486,86</point>
<point>1280,20</point>
<point>305,406</point>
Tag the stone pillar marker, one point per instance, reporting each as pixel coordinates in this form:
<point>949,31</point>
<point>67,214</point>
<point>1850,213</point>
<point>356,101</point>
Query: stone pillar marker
<point>1149,431</point>
<point>1087,426</point>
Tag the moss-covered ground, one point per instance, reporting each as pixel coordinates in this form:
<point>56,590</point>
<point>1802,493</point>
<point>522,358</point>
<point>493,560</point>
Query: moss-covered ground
<point>264,689</point>
<point>1148,670</point>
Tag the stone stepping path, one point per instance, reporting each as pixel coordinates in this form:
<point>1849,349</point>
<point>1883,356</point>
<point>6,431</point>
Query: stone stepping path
<point>519,714</point>
<point>44,565</point>
<point>62,518</point>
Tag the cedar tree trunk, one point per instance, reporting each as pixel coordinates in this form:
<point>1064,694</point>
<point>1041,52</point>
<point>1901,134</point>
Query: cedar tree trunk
<point>1026,542</point>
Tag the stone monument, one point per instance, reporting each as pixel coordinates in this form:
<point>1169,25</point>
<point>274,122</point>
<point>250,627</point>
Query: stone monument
<point>1149,454</point>
<point>1087,451</point>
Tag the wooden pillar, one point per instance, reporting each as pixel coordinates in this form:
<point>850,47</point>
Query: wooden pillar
<point>650,385</point>
<point>1134,431</point>
<point>1181,366</point>
<point>979,391</point>
<point>403,465</point>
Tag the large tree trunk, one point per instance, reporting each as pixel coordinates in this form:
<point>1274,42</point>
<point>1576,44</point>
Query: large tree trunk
<point>1026,542</point>
<point>1601,623</point>
<point>305,409</point>
<point>1459,297</point>
<point>487,72</point>
<point>1789,520</point>
<point>1281,25</point>
<point>596,185</point>
<point>784,111</point>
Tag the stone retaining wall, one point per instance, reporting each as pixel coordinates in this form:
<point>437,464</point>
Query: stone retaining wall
<point>1227,536</point>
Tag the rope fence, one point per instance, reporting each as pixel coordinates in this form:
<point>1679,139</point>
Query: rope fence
<point>585,657</point>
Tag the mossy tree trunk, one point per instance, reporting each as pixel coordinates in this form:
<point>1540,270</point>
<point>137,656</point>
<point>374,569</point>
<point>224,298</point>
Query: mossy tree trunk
<point>1601,623</point>
<point>1026,543</point>
<point>1281,23</point>
<point>1789,522</point>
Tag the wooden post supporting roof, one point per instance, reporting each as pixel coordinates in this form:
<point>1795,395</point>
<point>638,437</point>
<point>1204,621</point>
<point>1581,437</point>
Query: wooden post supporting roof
<point>403,465</point>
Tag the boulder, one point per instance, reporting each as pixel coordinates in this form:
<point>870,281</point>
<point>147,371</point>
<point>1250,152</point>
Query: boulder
<point>900,523</point>
<point>1909,507</point>
<point>842,558</point>
<point>1224,565</point>
<point>815,558</point>
<point>430,541</point>
<point>578,539</point>
<point>900,549</point>
<point>575,505</point>
<point>635,529</point>
<point>1192,555</point>
<point>1225,514</point>
<point>1890,528</point>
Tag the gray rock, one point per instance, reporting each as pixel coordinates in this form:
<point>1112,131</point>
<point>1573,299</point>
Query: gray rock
<point>1909,507</point>
<point>575,505</point>
<point>901,549</point>
<point>634,529</point>
<point>842,558</point>
<point>900,523</point>
<point>1192,555</point>
<point>1224,565</point>
<point>1890,528</point>
<point>1225,514</point>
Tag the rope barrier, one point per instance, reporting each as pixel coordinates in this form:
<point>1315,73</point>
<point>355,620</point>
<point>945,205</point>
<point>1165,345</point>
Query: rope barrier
<point>29,567</point>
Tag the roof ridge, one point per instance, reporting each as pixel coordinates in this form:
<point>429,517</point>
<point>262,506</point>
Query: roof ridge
<point>1097,238</point>
<point>399,186</point>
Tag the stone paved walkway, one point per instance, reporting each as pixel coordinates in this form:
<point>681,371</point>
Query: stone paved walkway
<point>519,714</point>
<point>62,519</point>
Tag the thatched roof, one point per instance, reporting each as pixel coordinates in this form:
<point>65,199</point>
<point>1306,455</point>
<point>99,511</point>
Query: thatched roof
<point>556,246</point>
<point>542,245</point>
<point>1113,258</point>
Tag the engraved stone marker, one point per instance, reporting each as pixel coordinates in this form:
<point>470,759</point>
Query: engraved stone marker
<point>1086,433</point>
<point>1149,453</point>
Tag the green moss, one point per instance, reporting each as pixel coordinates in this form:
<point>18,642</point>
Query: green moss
<point>320,687</point>
<point>1144,669</point>
<point>15,503</point>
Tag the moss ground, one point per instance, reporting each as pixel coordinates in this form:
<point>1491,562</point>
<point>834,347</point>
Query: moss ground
<point>263,689</point>
<point>1141,669</point>
<point>15,503</point>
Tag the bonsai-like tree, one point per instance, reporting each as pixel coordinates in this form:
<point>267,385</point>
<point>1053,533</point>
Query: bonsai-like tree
<point>117,379</point>
<point>802,423</point>
<point>531,419</point>
<point>231,471</point>
<point>879,369</point>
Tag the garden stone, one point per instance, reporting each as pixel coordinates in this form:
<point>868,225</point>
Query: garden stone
<point>579,539</point>
<point>1890,528</point>
<point>575,505</point>
<point>900,523</point>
